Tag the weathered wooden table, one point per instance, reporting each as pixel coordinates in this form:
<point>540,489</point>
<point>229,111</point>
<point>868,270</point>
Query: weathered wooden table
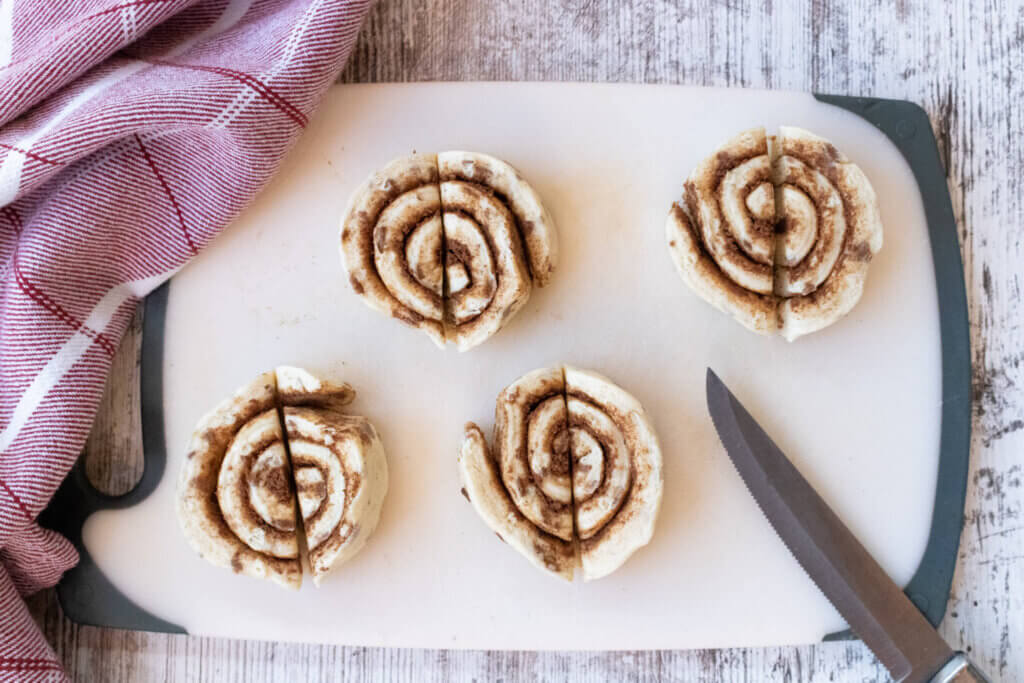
<point>963,61</point>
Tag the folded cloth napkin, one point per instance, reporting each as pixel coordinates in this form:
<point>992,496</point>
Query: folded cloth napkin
<point>131,132</point>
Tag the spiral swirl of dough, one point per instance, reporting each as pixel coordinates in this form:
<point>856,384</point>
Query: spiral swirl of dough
<point>452,244</point>
<point>341,479</point>
<point>254,489</point>
<point>720,234</point>
<point>616,470</point>
<point>575,478</point>
<point>391,243</point>
<point>533,449</point>
<point>829,229</point>
<point>281,443</point>
<point>779,239</point>
<point>236,504</point>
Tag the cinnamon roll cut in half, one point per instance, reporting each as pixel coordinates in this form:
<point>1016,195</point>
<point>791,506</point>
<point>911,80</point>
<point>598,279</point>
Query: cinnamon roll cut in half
<point>828,231</point>
<point>616,471</point>
<point>341,474</point>
<point>452,244</point>
<point>391,243</point>
<point>574,478</point>
<point>523,488</point>
<point>236,503</point>
<point>281,444</point>
<point>721,233</point>
<point>777,232</point>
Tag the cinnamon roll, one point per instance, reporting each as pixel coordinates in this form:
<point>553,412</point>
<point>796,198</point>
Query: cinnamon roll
<point>341,474</point>
<point>391,243</point>
<point>616,471</point>
<point>780,239</point>
<point>720,234</point>
<point>829,229</point>
<point>483,486</point>
<point>452,244</point>
<point>574,479</point>
<point>523,489</point>
<point>236,503</point>
<point>246,476</point>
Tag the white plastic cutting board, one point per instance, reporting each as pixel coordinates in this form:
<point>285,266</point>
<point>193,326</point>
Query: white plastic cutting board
<point>856,406</point>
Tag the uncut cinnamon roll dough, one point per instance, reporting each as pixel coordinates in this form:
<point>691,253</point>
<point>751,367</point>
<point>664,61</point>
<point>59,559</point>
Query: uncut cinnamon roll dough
<point>573,480</point>
<point>245,476</point>
<point>778,231</point>
<point>451,244</point>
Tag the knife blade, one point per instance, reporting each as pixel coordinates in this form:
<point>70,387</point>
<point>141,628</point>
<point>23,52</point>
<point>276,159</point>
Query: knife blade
<point>873,605</point>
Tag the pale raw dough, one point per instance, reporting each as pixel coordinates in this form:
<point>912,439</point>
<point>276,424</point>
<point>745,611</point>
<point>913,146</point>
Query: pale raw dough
<point>341,476</point>
<point>264,548</point>
<point>533,449</point>
<point>244,478</point>
<point>617,517</point>
<point>481,484</point>
<point>298,387</point>
<point>829,295</point>
<point>483,248</point>
<point>777,232</point>
<point>399,198</point>
<point>575,476</point>
<point>538,229</point>
<point>450,244</point>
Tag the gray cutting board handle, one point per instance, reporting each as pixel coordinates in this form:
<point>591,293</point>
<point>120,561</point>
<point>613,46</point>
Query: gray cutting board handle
<point>907,126</point>
<point>85,594</point>
<point>88,597</point>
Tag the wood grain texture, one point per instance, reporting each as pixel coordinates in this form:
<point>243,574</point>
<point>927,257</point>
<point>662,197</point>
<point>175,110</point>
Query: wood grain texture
<point>113,451</point>
<point>962,60</point>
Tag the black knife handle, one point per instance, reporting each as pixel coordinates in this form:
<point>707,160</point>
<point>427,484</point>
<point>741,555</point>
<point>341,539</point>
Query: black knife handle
<point>960,670</point>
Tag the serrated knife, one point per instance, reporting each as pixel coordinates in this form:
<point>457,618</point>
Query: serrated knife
<point>872,604</point>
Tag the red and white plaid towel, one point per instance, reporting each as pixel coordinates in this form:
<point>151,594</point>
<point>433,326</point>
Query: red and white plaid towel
<point>131,132</point>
